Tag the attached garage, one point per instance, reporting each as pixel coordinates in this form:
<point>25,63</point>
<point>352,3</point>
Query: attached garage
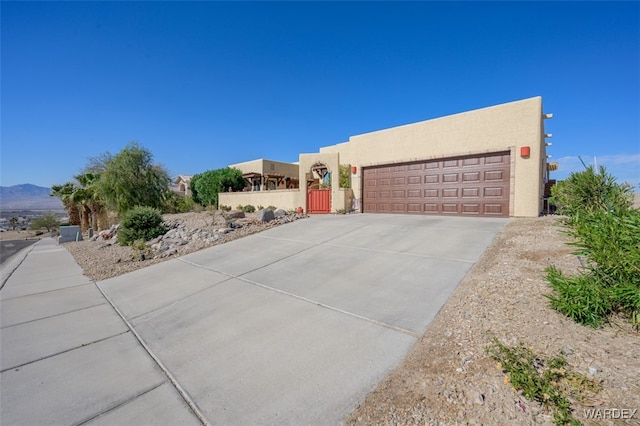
<point>489,162</point>
<point>472,185</point>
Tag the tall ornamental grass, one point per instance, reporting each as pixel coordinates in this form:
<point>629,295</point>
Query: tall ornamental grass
<point>605,229</point>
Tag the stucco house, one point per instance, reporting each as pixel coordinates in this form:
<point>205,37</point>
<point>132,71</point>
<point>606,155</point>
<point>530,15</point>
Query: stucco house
<point>486,162</point>
<point>182,184</point>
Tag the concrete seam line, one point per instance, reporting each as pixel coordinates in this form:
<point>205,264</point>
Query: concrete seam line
<point>63,352</point>
<point>119,404</point>
<point>174,303</point>
<point>311,301</point>
<point>328,244</point>
<point>181,391</point>
<point>52,316</point>
<point>47,291</point>
<point>333,308</point>
<point>402,253</point>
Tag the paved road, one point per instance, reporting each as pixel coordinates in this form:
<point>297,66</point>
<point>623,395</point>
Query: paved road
<point>294,325</point>
<point>11,247</point>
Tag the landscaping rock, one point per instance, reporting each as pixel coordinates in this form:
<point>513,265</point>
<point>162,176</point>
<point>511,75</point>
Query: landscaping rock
<point>265,215</point>
<point>235,214</point>
<point>280,213</point>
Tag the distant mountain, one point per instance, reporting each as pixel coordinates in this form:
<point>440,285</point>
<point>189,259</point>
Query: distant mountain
<point>28,197</point>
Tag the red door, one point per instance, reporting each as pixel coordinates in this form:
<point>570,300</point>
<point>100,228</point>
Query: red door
<point>319,201</point>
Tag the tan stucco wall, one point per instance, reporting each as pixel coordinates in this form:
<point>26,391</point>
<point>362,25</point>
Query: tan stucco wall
<point>331,160</point>
<point>263,167</point>
<point>505,127</point>
<point>286,199</point>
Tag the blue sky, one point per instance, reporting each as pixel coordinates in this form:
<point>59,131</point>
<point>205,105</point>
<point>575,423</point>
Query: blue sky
<point>207,84</point>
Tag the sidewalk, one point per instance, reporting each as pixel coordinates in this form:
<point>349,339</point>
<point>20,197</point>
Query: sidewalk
<point>293,325</point>
<point>67,357</point>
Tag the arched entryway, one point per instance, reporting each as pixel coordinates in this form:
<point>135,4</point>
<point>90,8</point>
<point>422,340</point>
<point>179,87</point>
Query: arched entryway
<point>319,189</point>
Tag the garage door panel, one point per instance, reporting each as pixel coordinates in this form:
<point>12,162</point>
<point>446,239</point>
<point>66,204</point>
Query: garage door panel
<point>431,208</point>
<point>490,192</point>
<point>449,192</point>
<point>450,178</point>
<point>414,208</point>
<point>450,208</point>
<point>470,192</point>
<point>399,181</point>
<point>474,185</point>
<point>494,209</point>
<point>494,175</point>
<point>471,208</point>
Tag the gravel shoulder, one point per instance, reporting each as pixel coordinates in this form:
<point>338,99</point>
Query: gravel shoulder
<point>447,378</point>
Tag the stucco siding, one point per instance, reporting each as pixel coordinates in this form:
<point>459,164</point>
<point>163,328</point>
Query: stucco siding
<point>498,128</point>
<point>286,199</point>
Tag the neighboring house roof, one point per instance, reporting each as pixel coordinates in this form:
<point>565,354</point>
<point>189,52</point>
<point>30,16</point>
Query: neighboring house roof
<point>183,178</point>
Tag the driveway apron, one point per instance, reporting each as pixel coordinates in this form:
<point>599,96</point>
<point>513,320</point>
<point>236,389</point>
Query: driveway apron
<point>295,325</point>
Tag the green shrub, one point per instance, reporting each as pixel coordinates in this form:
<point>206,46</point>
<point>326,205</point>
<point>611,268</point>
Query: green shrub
<point>248,208</point>
<point>259,207</point>
<point>272,208</point>
<point>590,191</point>
<point>140,223</point>
<point>582,298</point>
<point>225,208</point>
<point>606,233</point>
<point>177,203</point>
<point>345,176</point>
<point>206,186</point>
<point>239,207</point>
<point>549,382</point>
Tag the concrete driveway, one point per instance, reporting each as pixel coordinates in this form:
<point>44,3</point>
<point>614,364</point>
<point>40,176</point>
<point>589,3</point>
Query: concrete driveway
<point>295,325</point>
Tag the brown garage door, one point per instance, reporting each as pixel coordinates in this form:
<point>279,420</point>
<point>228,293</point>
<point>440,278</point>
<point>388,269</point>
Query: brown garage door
<point>477,185</point>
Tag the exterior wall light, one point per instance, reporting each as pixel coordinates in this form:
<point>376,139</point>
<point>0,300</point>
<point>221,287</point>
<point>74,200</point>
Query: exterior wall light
<point>546,116</point>
<point>548,143</point>
<point>548,135</point>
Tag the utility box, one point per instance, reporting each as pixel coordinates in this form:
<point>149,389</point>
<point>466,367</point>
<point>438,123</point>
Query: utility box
<point>69,233</point>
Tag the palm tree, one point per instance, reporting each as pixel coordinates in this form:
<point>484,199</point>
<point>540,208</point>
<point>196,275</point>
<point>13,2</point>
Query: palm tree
<point>66,194</point>
<point>14,222</point>
<point>89,198</point>
<point>81,200</point>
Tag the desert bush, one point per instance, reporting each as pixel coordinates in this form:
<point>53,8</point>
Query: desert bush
<point>272,208</point>
<point>606,233</point>
<point>590,191</point>
<point>248,208</point>
<point>206,186</point>
<point>345,176</point>
<point>177,203</point>
<point>140,223</point>
<point>259,207</point>
<point>225,208</point>
<point>548,381</point>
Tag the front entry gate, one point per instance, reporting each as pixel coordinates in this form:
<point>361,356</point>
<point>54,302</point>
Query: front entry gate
<point>319,201</point>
